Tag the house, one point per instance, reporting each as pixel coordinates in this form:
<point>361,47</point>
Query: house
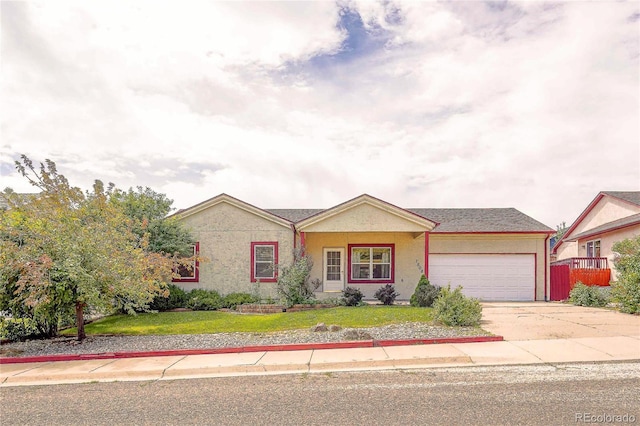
<point>611,216</point>
<point>495,254</point>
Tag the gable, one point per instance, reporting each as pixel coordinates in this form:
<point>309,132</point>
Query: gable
<point>365,214</point>
<point>607,209</point>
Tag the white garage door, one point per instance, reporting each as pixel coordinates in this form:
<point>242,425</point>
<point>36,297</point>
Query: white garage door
<point>486,276</point>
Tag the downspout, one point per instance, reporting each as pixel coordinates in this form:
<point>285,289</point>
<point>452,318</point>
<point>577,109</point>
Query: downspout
<point>546,264</point>
<point>426,254</point>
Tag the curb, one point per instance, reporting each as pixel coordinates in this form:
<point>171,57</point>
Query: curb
<point>263,348</point>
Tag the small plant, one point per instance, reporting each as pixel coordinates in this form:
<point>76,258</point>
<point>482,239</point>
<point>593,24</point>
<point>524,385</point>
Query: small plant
<point>232,300</point>
<point>177,299</point>
<point>293,283</point>
<point>454,308</point>
<point>386,294</point>
<point>204,300</point>
<point>425,294</point>
<point>352,296</point>
<point>584,295</point>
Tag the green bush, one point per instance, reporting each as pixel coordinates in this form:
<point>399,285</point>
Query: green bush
<point>352,296</point>
<point>177,299</point>
<point>454,308</point>
<point>626,290</point>
<point>204,300</point>
<point>232,300</point>
<point>18,329</point>
<point>425,294</point>
<point>386,294</point>
<point>584,295</point>
<point>293,284</point>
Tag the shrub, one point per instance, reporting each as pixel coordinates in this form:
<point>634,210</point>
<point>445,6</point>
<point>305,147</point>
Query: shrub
<point>584,295</point>
<point>177,299</point>
<point>454,308</point>
<point>626,290</point>
<point>386,294</point>
<point>204,300</point>
<point>18,329</point>
<point>352,296</point>
<point>425,294</point>
<point>293,283</point>
<point>232,300</point>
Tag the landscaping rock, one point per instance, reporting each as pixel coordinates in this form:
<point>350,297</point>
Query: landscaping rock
<point>319,327</point>
<point>334,328</point>
<point>355,334</point>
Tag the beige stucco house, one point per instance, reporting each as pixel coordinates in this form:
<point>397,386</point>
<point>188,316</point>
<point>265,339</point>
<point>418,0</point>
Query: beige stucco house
<point>495,254</point>
<point>611,216</point>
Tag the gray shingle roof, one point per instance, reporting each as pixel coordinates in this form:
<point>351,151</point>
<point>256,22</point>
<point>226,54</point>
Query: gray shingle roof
<point>629,196</point>
<point>453,220</point>
<point>609,226</point>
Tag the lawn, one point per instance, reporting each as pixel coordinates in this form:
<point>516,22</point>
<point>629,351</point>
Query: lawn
<point>205,322</point>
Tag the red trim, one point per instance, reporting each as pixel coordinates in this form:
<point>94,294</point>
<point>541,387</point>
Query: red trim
<point>274,244</point>
<point>578,220</point>
<point>494,232</point>
<point>546,260</point>
<point>196,275</point>
<point>426,254</point>
<point>350,280</point>
<point>266,348</point>
<point>303,242</point>
<point>606,231</point>
<point>535,275</point>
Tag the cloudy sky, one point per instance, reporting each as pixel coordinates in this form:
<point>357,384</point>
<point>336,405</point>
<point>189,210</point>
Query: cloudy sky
<point>307,104</point>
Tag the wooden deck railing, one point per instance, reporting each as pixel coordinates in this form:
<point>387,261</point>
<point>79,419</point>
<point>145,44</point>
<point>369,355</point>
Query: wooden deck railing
<point>584,262</point>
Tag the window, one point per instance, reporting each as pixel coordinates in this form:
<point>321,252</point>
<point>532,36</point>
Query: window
<point>593,248</point>
<point>189,272</point>
<point>371,263</point>
<point>264,260</point>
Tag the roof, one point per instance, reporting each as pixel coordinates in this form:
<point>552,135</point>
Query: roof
<point>632,197</point>
<point>482,220</point>
<point>608,227</point>
<point>295,215</point>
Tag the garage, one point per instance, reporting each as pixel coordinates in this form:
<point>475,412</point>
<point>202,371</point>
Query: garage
<point>506,277</point>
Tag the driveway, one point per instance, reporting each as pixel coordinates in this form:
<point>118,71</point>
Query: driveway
<point>552,320</point>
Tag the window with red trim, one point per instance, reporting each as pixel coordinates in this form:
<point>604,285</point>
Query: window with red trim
<point>371,263</point>
<point>189,271</point>
<point>264,261</point>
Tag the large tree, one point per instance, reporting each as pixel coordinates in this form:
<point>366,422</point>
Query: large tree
<point>66,250</point>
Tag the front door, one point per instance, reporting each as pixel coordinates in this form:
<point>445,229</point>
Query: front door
<point>333,274</point>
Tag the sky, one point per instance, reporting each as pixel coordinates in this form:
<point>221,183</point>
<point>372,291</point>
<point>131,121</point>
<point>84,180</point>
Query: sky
<point>531,105</point>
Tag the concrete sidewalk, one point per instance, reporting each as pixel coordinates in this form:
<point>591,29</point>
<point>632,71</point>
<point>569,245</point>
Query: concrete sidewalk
<point>535,333</point>
<point>582,349</point>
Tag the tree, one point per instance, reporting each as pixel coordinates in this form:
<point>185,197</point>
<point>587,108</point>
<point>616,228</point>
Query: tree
<point>560,230</point>
<point>67,250</point>
<point>149,209</point>
<point>626,290</point>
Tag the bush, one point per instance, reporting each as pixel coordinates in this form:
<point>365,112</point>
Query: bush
<point>177,299</point>
<point>584,295</point>
<point>232,300</point>
<point>626,291</point>
<point>454,308</point>
<point>293,284</point>
<point>204,300</point>
<point>386,294</point>
<point>18,329</point>
<point>352,296</point>
<point>425,294</point>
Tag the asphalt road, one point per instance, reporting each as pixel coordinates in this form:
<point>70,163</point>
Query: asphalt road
<point>536,395</point>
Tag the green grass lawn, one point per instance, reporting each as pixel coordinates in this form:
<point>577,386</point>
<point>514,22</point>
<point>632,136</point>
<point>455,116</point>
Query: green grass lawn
<point>204,322</point>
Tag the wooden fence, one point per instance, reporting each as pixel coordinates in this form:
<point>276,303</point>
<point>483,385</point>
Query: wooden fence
<point>566,273</point>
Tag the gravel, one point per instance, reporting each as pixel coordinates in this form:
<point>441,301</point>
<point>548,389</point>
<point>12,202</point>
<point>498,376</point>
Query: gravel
<point>110,344</point>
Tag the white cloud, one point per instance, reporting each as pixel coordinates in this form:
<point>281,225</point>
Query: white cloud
<point>528,104</point>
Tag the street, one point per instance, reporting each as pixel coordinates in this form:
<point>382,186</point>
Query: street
<point>536,395</point>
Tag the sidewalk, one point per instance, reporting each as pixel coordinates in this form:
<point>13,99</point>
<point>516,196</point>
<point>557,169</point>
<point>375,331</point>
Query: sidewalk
<point>578,335</point>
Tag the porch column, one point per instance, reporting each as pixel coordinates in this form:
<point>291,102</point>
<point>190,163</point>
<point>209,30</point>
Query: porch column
<point>426,254</point>
<point>302,243</point>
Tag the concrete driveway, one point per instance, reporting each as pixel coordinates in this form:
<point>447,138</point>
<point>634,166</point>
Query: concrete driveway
<point>552,320</point>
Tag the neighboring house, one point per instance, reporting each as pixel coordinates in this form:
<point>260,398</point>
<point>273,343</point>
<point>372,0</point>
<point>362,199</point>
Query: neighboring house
<point>611,216</point>
<point>495,254</point>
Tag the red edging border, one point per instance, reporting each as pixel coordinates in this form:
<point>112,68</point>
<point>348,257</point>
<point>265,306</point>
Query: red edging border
<point>265,348</point>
